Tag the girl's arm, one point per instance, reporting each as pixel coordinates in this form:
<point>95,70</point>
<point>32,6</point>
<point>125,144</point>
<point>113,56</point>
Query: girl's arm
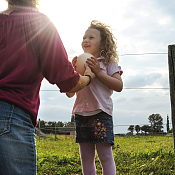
<point>115,82</point>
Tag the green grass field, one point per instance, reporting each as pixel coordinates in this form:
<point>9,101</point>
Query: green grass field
<point>132,155</point>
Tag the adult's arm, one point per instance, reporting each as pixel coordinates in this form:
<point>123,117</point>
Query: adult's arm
<point>53,60</point>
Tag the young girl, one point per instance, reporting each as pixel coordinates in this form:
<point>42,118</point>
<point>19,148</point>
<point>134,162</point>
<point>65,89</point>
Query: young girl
<point>93,106</point>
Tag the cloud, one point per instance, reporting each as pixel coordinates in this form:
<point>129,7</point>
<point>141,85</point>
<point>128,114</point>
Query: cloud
<point>165,7</point>
<point>72,52</point>
<point>137,99</point>
<point>119,99</point>
<point>55,112</point>
<point>144,79</point>
<point>52,98</point>
<point>152,25</point>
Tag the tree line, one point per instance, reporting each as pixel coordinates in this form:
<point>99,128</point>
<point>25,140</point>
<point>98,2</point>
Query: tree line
<point>155,120</point>
<point>49,127</point>
<point>156,125</point>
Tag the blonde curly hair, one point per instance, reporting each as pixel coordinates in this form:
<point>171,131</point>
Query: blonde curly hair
<point>28,3</point>
<point>109,51</point>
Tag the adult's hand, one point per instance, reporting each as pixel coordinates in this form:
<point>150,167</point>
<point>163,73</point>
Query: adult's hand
<point>89,72</point>
<point>74,60</point>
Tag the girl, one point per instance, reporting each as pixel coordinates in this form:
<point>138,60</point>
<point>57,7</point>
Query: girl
<point>93,106</point>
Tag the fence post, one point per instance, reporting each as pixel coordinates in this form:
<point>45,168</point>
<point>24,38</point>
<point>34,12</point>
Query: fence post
<point>171,63</point>
<point>55,131</point>
<point>39,130</point>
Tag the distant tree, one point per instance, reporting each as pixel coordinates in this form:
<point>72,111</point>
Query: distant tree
<point>156,122</point>
<point>49,127</point>
<point>137,128</point>
<point>146,128</point>
<point>131,128</point>
<point>51,124</point>
<point>68,124</point>
<point>72,118</point>
<point>171,130</point>
<point>167,125</point>
<point>42,124</point>
<point>59,124</point>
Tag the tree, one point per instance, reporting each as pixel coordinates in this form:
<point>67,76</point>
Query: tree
<point>42,124</point>
<point>51,124</point>
<point>49,127</point>
<point>59,124</point>
<point>68,124</point>
<point>167,125</point>
<point>146,128</point>
<point>131,128</point>
<point>156,122</point>
<point>72,118</point>
<point>137,128</point>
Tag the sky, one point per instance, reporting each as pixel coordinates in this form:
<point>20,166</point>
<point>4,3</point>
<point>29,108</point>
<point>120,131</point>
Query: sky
<point>143,29</point>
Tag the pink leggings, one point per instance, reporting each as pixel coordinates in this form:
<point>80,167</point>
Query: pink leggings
<point>104,152</point>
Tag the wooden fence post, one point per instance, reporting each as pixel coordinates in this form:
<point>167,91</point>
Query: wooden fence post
<point>55,131</point>
<point>171,62</point>
<point>39,130</point>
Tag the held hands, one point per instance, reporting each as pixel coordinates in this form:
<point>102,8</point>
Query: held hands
<point>83,80</point>
<point>87,69</point>
<point>94,65</point>
<point>89,72</point>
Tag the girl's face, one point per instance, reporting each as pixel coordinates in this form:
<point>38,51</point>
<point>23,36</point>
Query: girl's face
<point>92,42</point>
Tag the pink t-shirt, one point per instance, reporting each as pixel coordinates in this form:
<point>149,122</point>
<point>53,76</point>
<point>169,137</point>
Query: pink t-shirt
<point>97,95</point>
<point>31,49</point>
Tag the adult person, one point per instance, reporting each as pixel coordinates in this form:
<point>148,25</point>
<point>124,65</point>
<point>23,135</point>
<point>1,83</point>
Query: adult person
<point>30,49</point>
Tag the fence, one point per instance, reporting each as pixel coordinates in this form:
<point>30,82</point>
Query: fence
<point>41,132</point>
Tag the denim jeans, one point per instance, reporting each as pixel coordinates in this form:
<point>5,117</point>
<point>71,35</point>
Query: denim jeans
<point>17,141</point>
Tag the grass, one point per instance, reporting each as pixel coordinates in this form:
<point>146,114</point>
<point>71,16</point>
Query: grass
<point>132,155</point>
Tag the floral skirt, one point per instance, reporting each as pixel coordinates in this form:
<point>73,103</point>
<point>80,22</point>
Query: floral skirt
<point>94,129</point>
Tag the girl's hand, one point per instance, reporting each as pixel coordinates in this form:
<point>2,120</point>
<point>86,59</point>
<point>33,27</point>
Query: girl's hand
<point>94,65</point>
<point>74,60</point>
<point>70,94</point>
<point>89,72</point>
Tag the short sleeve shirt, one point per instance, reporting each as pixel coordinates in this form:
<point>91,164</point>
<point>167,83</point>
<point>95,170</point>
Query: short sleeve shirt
<point>97,95</point>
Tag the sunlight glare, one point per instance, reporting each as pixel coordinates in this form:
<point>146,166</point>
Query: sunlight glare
<point>71,20</point>
<point>3,5</point>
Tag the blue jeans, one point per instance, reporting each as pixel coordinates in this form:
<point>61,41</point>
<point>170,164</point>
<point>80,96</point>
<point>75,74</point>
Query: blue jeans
<point>17,141</point>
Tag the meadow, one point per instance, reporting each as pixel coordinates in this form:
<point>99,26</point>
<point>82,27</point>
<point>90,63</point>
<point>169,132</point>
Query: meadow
<point>146,155</point>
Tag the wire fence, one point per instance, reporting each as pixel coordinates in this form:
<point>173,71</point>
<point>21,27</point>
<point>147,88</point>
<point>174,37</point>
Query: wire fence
<point>71,130</point>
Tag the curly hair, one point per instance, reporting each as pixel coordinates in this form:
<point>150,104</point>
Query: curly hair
<point>109,51</point>
<point>28,3</point>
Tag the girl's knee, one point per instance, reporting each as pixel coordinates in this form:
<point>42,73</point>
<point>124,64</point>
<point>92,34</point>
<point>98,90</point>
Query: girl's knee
<point>104,152</point>
<point>105,157</point>
<point>87,158</point>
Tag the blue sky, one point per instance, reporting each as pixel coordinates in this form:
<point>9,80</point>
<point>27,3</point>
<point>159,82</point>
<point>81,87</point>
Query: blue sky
<point>146,26</point>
